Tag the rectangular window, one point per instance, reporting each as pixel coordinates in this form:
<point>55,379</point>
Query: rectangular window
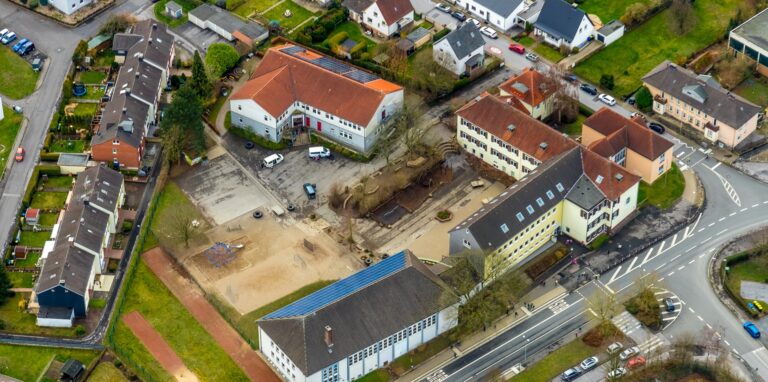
<point>540,202</point>
<point>520,216</point>
<point>504,228</point>
<point>550,195</point>
<point>529,208</point>
<point>560,187</point>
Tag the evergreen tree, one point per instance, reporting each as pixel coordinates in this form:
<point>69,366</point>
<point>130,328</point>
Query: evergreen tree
<point>200,83</point>
<point>5,285</point>
<point>182,123</point>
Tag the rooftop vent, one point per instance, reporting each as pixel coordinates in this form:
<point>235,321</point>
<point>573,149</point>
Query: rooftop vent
<point>619,177</point>
<point>511,127</point>
<point>543,145</point>
<point>599,179</point>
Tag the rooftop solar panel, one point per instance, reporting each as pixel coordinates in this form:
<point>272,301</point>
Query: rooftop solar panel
<point>361,76</point>
<point>332,65</point>
<point>341,288</point>
<point>292,49</point>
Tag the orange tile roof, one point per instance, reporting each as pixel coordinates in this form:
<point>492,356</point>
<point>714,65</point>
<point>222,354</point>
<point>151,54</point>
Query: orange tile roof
<point>281,79</point>
<point>635,137</point>
<point>611,184</point>
<point>495,116</point>
<point>534,82</point>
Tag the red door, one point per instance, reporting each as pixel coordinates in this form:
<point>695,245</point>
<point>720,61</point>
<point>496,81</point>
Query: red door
<point>306,121</point>
<point>319,126</point>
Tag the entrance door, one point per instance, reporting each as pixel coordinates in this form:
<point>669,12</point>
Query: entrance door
<point>306,121</point>
<point>319,126</point>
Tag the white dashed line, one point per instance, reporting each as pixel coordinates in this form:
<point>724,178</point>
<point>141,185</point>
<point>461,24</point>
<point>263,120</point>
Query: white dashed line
<point>690,249</point>
<point>702,255</point>
<point>691,309</point>
<point>755,205</point>
<point>706,240</point>
<point>680,268</point>
<point>743,209</point>
<point>721,219</point>
<point>727,343</point>
<point>710,326</point>
<point>691,262</point>
<point>674,258</point>
<point>721,232</point>
<point>700,229</point>
<point>765,202</point>
<point>671,273</point>
<point>700,319</point>
<point>732,213</point>
<point>711,224</point>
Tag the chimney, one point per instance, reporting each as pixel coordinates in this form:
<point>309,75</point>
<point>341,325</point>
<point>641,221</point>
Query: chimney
<point>543,145</point>
<point>125,110</point>
<point>328,337</point>
<point>619,177</point>
<point>511,127</point>
<point>154,26</point>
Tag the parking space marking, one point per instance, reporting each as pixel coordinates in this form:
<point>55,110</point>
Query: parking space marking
<point>721,219</point>
<point>755,205</point>
<point>732,213</point>
<point>691,262</point>
<point>711,224</point>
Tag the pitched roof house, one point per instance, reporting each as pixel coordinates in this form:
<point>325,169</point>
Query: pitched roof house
<point>500,13</point>
<point>383,17</point>
<point>560,23</point>
<point>461,51</point>
<point>358,324</point>
<point>533,90</point>
<point>335,99</point>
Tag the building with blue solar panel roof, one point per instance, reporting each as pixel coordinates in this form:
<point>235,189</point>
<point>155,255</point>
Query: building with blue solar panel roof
<point>358,324</point>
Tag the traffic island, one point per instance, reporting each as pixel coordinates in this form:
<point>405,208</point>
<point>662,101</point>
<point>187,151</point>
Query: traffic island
<point>738,273</point>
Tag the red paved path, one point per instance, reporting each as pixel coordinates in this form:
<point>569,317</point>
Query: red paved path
<point>156,345</point>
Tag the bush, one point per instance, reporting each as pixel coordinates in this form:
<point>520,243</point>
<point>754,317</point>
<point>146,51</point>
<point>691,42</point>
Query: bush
<point>80,330</point>
<point>337,39</point>
<point>645,308</point>
<point>598,242</point>
<point>644,99</point>
<point>44,2</point>
<point>607,81</point>
<point>49,157</point>
<point>441,34</point>
<point>357,50</point>
<point>233,4</point>
<point>444,214</point>
<point>635,14</point>
<point>127,225</point>
<point>33,4</point>
<point>220,58</point>
<point>2,325</point>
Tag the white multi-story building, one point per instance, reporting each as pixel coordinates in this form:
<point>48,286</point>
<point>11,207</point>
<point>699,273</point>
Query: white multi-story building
<point>295,88</point>
<point>502,14</point>
<point>358,324</point>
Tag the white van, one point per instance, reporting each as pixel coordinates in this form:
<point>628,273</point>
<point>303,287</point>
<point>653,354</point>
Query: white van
<point>272,160</point>
<point>318,152</point>
<point>3,32</point>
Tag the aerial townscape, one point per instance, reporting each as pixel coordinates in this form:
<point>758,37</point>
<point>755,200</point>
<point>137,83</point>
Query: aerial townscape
<point>384,190</point>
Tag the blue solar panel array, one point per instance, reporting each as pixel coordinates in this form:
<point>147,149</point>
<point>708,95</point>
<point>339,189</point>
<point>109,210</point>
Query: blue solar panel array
<point>333,65</point>
<point>341,288</point>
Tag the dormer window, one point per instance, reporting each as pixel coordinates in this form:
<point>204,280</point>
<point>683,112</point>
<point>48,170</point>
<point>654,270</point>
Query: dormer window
<point>115,141</point>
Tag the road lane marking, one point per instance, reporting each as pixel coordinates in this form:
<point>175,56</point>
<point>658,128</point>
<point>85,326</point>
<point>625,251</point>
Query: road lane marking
<point>706,240</point>
<point>691,262</point>
<point>710,327</point>
<point>743,209</point>
<point>721,232</point>
<point>674,238</point>
<point>615,274</point>
<point>711,224</point>
<point>700,319</point>
<point>671,273</point>
<point>732,213</point>
<point>701,229</point>
<point>765,202</point>
<point>755,205</point>
<point>715,166</point>
<point>646,259</point>
<point>661,247</point>
<point>680,268</point>
<point>690,249</point>
<point>691,309</point>
<point>702,255</point>
<point>721,219</point>
<point>674,258</point>
<point>632,264</point>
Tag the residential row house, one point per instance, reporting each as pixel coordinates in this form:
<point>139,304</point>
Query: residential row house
<point>359,324</point>
<point>295,89</point>
<point>146,54</point>
<point>384,18</point>
<point>699,102</point>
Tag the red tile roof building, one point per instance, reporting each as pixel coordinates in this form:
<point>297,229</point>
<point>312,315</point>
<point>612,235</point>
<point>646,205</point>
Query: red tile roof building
<point>534,91</point>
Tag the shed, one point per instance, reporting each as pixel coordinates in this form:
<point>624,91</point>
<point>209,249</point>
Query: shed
<point>419,37</point>
<point>174,10</point>
<point>32,215</point>
<point>72,370</point>
<point>99,42</point>
<point>405,46</point>
<point>72,163</point>
<point>610,32</point>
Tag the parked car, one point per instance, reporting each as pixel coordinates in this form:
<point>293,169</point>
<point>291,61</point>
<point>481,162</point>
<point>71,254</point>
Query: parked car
<point>459,16</point>
<point>4,32</point>
<point>10,36</point>
<point>752,329</point>
<point>272,160</point>
<point>617,373</point>
<point>606,99</point>
<point>444,7</point>
<point>474,21</point>
<point>636,362</point>
<point>489,32</point>
<point>310,190</point>
<point>26,48</point>
<point>657,127</point>
<point>19,44</point>
<point>571,374</point>
<point>318,152</point>
<point>669,304</point>
<point>589,363</point>
<point>571,78</point>
<point>628,353</point>
<point>517,48</point>
<point>531,57</point>
<point>19,154</point>
<point>589,89</point>
<point>17,109</point>
<point>37,64</point>
<point>615,347</point>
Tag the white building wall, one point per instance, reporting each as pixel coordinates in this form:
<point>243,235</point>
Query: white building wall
<point>574,225</point>
<point>54,322</point>
<point>450,62</point>
<point>586,29</point>
<point>69,7</point>
<point>502,22</point>
<point>626,205</point>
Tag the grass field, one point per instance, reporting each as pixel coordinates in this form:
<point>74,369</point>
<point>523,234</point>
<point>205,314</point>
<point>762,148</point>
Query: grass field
<point>526,41</point>
<point>353,31</point>
<point>46,200</point>
<point>555,363</point>
<point>573,129</point>
<point>754,269</point>
<point>298,14</point>
<point>92,77</point>
<point>63,181</point>
<point>173,197</point>
<point>106,372</point>
<point>665,191</point>
<point>547,52</point>
<point>29,261</point>
<point>34,239</point>
<point>9,127</point>
<point>186,6</point>
<point>17,79</point>
<point>169,317</point>
<point>21,279</point>
<point>86,109</point>
<point>608,10</point>
<point>643,48</point>
<point>67,146</point>
<point>21,322</point>
<point>754,90</point>
<point>28,362</point>
<point>254,6</point>
<point>47,220</point>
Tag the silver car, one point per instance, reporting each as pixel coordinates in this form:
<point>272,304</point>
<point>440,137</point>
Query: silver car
<point>589,363</point>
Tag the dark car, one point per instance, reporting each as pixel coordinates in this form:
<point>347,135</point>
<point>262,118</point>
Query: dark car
<point>669,304</point>
<point>589,89</point>
<point>459,16</point>
<point>657,127</point>
<point>571,374</point>
<point>571,78</point>
<point>311,190</point>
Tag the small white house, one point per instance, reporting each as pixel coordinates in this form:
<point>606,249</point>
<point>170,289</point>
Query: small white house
<point>382,17</point>
<point>461,51</point>
<point>560,23</point>
<point>500,13</point>
<point>69,7</point>
<point>174,10</point>
<point>610,32</point>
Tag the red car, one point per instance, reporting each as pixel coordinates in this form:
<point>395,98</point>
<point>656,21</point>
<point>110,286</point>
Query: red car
<point>19,154</point>
<point>636,362</point>
<point>517,48</point>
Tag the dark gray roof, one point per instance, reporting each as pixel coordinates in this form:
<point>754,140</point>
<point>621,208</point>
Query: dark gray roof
<point>560,19</point>
<point>100,186</point>
<point>148,38</point>
<point>226,21</point>
<point>122,112</point>
<point>55,312</point>
<point>755,30</point>
<point>360,319</point>
<point>486,224</point>
<point>585,194</point>
<point>72,159</point>
<point>703,93</point>
<point>67,266</point>
<point>254,31</point>
<point>417,34</point>
<point>357,6</point>
<point>611,27</point>
<point>139,78</point>
<point>464,40</point>
<point>124,41</point>
<point>501,7</point>
<point>533,11</point>
<point>204,11</point>
<point>82,225</point>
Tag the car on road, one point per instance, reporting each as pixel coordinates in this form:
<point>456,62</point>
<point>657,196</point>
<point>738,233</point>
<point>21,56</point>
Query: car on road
<point>615,347</point>
<point>629,353</point>
<point>311,190</point>
<point>474,21</point>
<point>459,16</point>
<point>657,127</point>
<point>571,374</point>
<point>589,363</point>
<point>589,89</point>
<point>10,36</point>
<point>531,57</point>
<point>272,160</point>
<point>669,305</point>
<point>752,329</point>
<point>489,32</point>
<point>19,154</point>
<point>606,99</point>
<point>617,373</point>
<point>517,48</point>
<point>444,7</point>
<point>636,362</point>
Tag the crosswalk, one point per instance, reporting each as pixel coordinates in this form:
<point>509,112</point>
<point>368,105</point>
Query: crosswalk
<point>437,376</point>
<point>652,344</point>
<point>559,306</point>
<point>627,323</point>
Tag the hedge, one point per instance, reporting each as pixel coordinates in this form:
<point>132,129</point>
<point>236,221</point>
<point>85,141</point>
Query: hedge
<point>356,51</point>
<point>32,185</point>
<point>337,39</point>
<point>585,110</point>
<point>441,34</point>
<point>49,157</point>
<point>259,140</point>
<point>354,155</point>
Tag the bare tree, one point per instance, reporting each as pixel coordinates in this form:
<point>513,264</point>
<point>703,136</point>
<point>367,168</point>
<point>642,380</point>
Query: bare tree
<point>635,14</point>
<point>565,97</point>
<point>179,224</point>
<point>397,63</point>
<point>731,71</point>
<point>604,306</point>
<point>681,18</point>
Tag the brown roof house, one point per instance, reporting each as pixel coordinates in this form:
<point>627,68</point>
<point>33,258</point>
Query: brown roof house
<point>533,90</point>
<point>628,143</point>
<point>382,17</point>
<point>296,87</point>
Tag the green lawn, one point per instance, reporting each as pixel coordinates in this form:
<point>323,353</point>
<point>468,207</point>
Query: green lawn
<point>21,279</point>
<point>47,220</point>
<point>754,269</point>
<point>555,363</point>
<point>573,129</point>
<point>608,10</point>
<point>755,90</point>
<point>92,77</point>
<point>67,146</point>
<point>17,79</point>
<point>665,191</point>
<point>34,239</point>
<point>63,181</point>
<point>547,52</point>
<point>643,48</point>
<point>29,261</point>
<point>526,41</point>
<point>21,322</point>
<point>48,200</point>
<point>97,303</point>
<point>94,93</point>
<point>213,113</point>
<point>378,375</point>
<point>254,6</point>
<point>106,372</point>
<point>174,197</point>
<point>186,6</point>
<point>104,58</point>
<point>28,362</point>
<point>298,16</point>
<point>353,31</point>
<point>87,109</point>
<point>9,127</point>
<point>199,351</point>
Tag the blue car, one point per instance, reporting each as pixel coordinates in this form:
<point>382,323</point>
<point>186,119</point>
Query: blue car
<point>26,48</point>
<point>19,45</point>
<point>752,329</point>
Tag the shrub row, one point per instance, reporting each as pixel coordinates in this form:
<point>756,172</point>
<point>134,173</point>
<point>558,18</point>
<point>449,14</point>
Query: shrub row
<point>32,185</point>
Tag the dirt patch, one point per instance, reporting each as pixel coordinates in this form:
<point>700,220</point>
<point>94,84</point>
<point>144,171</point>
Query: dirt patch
<point>156,345</point>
